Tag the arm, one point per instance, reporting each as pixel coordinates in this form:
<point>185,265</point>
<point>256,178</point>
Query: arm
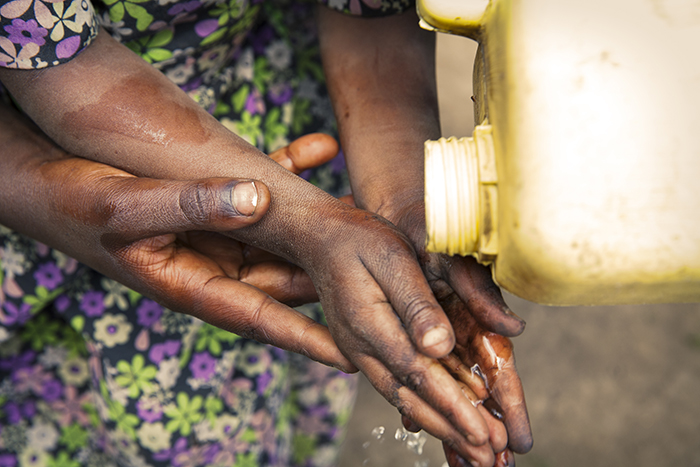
<point>109,105</point>
<point>126,228</point>
<point>381,77</point>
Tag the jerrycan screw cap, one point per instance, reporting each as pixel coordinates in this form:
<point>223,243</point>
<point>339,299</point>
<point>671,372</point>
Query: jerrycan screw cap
<point>460,195</point>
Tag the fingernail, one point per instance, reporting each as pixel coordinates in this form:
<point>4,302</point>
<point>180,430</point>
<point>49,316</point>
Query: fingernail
<point>435,336</point>
<point>509,312</point>
<point>494,408</point>
<point>244,198</point>
<point>462,463</point>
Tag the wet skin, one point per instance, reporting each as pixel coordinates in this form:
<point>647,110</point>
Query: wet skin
<point>381,78</point>
<point>378,300</point>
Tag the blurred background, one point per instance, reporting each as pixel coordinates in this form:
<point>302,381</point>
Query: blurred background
<point>605,386</point>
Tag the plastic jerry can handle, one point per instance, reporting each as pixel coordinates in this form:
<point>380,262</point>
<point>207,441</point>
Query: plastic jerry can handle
<point>454,16</point>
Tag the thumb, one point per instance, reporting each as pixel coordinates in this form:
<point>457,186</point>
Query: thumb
<point>142,207</point>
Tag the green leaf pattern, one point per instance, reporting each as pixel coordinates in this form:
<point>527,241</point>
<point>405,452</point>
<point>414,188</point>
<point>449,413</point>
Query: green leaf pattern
<point>101,378</point>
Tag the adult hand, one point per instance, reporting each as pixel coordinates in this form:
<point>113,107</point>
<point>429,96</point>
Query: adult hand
<point>159,236</point>
<point>108,104</point>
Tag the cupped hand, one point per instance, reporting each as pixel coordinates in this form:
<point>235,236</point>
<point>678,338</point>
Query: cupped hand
<point>481,321</point>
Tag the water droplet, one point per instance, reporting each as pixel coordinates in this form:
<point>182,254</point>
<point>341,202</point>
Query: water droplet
<point>413,441</point>
<point>365,445</point>
<point>378,432</point>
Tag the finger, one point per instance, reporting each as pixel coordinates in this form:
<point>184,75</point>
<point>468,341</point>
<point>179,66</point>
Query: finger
<point>403,282</point>
<point>453,458</point>
<point>306,152</point>
<point>347,199</point>
<point>413,406</point>
<point>468,376</point>
<point>141,207</point>
<point>228,303</point>
<point>409,425</point>
<point>281,280</point>
<point>257,316</point>
<point>422,378</point>
<point>505,458</point>
<point>474,285</point>
<point>496,360</point>
<point>498,437</point>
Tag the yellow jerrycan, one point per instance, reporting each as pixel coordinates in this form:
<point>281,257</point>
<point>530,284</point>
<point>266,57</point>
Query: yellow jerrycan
<point>581,185</point>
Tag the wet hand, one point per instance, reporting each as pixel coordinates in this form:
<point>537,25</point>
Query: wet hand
<point>480,319</point>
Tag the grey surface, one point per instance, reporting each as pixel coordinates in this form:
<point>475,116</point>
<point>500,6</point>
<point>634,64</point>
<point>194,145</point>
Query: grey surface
<point>605,386</point>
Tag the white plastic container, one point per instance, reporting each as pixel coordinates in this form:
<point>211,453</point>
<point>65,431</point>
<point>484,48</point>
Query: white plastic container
<point>584,180</point>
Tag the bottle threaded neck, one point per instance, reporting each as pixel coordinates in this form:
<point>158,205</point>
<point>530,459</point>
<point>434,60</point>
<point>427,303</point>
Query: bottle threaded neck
<point>460,195</point>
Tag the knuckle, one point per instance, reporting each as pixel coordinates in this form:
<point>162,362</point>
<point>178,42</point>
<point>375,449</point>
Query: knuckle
<point>255,326</point>
<point>405,408</point>
<point>198,202</point>
<point>114,207</point>
<point>417,310</point>
<point>414,380</point>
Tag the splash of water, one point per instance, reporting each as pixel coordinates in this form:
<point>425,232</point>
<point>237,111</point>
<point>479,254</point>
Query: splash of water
<point>413,441</point>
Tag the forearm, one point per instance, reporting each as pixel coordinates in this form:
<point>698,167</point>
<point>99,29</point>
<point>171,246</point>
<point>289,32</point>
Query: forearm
<point>109,105</point>
<point>381,78</point>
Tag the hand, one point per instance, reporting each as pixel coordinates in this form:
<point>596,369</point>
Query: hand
<point>483,361</point>
<point>484,366</point>
<point>158,236</point>
<point>481,320</point>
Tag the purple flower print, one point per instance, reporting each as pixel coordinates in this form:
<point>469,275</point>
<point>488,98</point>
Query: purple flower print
<point>29,409</point>
<point>15,315</point>
<point>263,380</point>
<point>61,303</point>
<point>12,413</point>
<point>149,410</point>
<point>184,7</point>
<point>338,162</point>
<point>48,275</point>
<point>68,47</point>
<point>169,454</point>
<point>23,32</point>
<point>167,349</point>
<point>203,365</point>
<point>280,93</point>
<point>255,104</point>
<point>52,390</point>
<point>192,85</point>
<point>17,362</point>
<point>8,460</point>
<point>193,457</point>
<point>210,453</point>
<point>93,303</point>
<point>148,312</point>
<point>206,27</point>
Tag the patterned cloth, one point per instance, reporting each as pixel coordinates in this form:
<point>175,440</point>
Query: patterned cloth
<point>94,374</point>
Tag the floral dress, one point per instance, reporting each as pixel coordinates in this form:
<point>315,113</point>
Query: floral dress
<point>94,374</point>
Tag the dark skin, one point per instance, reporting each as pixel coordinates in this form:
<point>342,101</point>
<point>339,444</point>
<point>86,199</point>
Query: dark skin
<point>155,234</point>
<point>385,116</point>
<point>110,106</point>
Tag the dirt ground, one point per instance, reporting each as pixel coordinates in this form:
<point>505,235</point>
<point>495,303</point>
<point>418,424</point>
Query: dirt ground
<point>605,386</point>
